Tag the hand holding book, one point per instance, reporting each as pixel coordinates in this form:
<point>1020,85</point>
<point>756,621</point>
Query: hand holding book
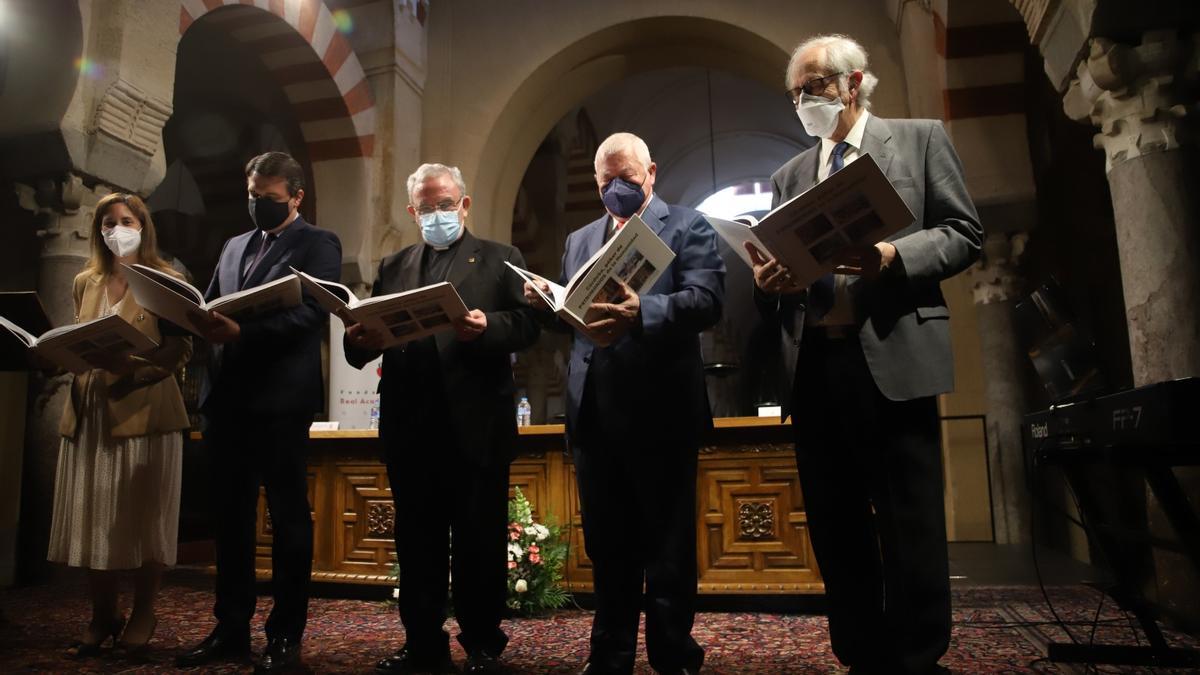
<point>214,326</point>
<point>371,339</point>
<point>769,274</point>
<point>470,325</point>
<point>617,316</point>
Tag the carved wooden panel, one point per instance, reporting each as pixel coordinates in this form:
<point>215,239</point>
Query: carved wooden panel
<point>532,475</point>
<point>752,529</point>
<point>578,572</point>
<point>365,518</point>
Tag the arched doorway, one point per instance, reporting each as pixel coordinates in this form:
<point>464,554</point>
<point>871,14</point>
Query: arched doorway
<point>592,64</point>
<point>288,81</point>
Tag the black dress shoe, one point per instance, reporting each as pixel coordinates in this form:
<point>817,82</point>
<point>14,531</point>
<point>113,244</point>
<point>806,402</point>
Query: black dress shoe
<point>404,662</point>
<point>220,645</point>
<point>281,655</point>
<point>590,668</point>
<point>484,663</point>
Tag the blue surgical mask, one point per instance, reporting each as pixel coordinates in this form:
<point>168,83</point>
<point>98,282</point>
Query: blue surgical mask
<point>440,228</point>
<point>622,198</point>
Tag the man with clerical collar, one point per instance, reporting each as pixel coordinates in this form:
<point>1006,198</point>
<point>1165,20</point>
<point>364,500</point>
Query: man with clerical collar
<point>448,428</point>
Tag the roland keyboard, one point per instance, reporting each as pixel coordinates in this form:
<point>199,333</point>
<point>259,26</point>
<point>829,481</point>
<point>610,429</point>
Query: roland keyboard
<point>1162,415</point>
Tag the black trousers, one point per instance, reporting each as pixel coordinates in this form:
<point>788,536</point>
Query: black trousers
<point>248,451</point>
<point>638,502</point>
<point>871,472</point>
<point>451,534</point>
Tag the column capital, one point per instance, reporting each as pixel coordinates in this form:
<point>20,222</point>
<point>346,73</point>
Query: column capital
<point>997,276</point>
<point>1136,94</point>
<point>63,209</point>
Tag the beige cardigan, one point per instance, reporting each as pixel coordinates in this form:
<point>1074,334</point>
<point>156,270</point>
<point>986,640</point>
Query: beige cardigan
<point>146,400</point>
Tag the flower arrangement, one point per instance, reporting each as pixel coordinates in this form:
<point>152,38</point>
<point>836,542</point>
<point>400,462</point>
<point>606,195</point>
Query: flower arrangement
<point>536,554</point>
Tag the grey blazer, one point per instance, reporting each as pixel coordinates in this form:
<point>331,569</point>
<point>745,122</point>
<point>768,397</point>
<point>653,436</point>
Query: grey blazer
<point>902,316</point>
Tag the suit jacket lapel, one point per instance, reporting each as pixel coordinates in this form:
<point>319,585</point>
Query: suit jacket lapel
<point>466,257</point>
<point>410,269</point>
<point>655,215</point>
<point>281,245</point>
<point>807,171</point>
<point>594,238</point>
<point>231,274</point>
<point>877,142</point>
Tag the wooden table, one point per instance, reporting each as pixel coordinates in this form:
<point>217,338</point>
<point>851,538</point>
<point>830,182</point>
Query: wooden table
<point>751,526</point>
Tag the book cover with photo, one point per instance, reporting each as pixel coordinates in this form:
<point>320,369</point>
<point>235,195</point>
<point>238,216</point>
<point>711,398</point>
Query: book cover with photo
<point>856,206</point>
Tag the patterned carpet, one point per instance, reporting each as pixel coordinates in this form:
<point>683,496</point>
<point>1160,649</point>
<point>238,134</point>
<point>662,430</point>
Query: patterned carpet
<point>997,630</point>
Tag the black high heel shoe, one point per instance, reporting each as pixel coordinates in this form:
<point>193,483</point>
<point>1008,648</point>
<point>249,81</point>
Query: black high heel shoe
<point>134,652</point>
<point>82,650</point>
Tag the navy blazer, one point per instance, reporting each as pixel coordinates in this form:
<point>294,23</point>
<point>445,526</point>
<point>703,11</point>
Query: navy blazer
<point>651,381</point>
<point>274,367</point>
<point>477,376</point>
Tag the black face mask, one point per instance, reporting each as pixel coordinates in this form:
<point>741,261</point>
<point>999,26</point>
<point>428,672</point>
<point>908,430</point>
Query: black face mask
<point>267,213</point>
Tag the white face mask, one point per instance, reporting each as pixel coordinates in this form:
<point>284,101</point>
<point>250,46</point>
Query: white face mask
<point>122,240</point>
<point>819,115</point>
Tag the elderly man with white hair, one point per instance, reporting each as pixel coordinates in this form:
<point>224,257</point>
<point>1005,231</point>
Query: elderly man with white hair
<point>636,409</point>
<point>866,351</point>
<point>448,430</point>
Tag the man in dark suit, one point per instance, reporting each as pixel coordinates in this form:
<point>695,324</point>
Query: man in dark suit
<point>448,424</point>
<point>636,409</point>
<point>265,389</point>
<point>861,384</point>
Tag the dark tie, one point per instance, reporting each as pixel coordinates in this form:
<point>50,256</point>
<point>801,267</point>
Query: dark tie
<point>267,240</point>
<point>821,294</point>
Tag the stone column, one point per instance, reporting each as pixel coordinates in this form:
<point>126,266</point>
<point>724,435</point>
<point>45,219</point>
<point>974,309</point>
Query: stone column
<point>1138,96</point>
<point>63,211</point>
<point>996,284</point>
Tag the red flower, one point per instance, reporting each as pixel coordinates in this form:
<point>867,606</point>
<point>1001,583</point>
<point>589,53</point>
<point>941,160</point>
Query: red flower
<point>533,548</point>
<point>535,559</point>
<point>512,564</point>
<point>514,535</point>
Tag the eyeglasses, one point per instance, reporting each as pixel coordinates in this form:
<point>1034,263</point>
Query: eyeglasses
<point>440,206</point>
<point>812,88</point>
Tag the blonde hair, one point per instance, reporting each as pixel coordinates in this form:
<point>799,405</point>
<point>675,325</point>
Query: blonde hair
<point>101,261</point>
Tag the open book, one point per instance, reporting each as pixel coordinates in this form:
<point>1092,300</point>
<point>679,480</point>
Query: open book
<point>634,255</point>
<point>401,317</point>
<point>856,206</point>
<point>78,348</point>
<point>182,304</point>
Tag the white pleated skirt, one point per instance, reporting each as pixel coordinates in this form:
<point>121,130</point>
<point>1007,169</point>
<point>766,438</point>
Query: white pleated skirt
<point>116,500</point>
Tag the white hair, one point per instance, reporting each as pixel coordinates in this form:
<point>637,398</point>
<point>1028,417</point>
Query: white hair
<point>620,142</point>
<point>842,54</point>
<point>427,171</point>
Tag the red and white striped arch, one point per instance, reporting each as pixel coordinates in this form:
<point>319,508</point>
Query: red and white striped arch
<point>312,62</point>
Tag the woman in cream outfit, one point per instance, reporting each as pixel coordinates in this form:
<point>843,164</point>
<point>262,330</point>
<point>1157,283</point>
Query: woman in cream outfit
<point>116,493</point>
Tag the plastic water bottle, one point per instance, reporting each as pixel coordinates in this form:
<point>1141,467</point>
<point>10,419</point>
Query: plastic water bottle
<point>524,411</point>
<point>373,421</point>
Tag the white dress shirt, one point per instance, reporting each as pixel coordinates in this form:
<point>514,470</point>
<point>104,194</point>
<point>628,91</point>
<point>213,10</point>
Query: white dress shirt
<point>842,312</point>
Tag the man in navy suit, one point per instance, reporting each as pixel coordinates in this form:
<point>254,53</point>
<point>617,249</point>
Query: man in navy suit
<point>265,389</point>
<point>636,410</point>
<point>865,353</point>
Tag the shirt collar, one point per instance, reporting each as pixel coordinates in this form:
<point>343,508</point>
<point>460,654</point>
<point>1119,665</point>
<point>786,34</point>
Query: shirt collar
<point>854,137</point>
<point>612,221</point>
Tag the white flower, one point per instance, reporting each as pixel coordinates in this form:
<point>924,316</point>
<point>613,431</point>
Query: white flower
<point>521,586</point>
<point>540,532</point>
<point>515,552</point>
